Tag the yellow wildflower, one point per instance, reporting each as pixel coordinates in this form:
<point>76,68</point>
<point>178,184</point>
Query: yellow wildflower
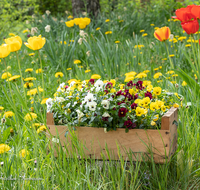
<point>30,116</point>
<point>59,74</point>
<point>4,148</point>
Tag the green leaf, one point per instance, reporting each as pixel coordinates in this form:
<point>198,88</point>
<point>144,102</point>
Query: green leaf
<point>121,125</point>
<point>194,86</point>
<point>126,130</point>
<point>121,98</point>
<point>6,134</point>
<point>110,119</point>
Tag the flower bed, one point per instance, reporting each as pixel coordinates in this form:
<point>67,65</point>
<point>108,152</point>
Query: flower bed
<point>112,109</point>
<point>111,105</point>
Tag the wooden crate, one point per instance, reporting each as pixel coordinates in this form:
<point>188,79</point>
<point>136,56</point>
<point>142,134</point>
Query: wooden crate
<point>142,144</point>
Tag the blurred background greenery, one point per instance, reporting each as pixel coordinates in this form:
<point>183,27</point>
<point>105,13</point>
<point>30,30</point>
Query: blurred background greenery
<point>14,13</point>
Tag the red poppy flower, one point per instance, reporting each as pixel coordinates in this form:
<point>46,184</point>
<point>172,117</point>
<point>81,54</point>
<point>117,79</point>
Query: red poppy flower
<point>184,14</point>
<point>195,10</point>
<point>122,112</point>
<point>190,27</point>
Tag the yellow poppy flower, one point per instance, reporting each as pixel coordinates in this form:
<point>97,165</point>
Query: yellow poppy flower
<point>35,43</point>
<point>70,23</point>
<point>15,43</point>
<point>4,50</point>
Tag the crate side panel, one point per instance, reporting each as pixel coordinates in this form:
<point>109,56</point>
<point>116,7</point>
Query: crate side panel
<point>137,140</point>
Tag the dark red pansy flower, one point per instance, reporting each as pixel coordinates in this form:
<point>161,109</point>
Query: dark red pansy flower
<point>130,83</point>
<point>129,124</point>
<point>148,94</point>
<point>133,106</point>
<point>109,85</point>
<point>122,102</point>
<point>135,96</point>
<point>106,91</point>
<point>190,27</point>
<point>122,112</point>
<point>119,93</point>
<point>91,81</point>
<point>130,97</point>
<point>139,85</point>
<point>105,118</point>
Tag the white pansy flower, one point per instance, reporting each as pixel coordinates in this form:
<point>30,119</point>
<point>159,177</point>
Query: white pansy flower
<point>72,83</point>
<point>105,104</point>
<point>106,115</point>
<point>89,98</point>
<point>99,85</point>
<point>92,106</point>
<point>47,28</point>
<point>59,99</point>
<point>62,85</point>
<point>80,114</point>
<point>49,102</point>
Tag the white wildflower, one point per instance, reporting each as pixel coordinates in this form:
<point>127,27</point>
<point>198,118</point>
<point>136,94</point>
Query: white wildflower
<point>47,28</point>
<point>34,30</point>
<point>88,53</point>
<point>80,41</point>
<point>48,12</point>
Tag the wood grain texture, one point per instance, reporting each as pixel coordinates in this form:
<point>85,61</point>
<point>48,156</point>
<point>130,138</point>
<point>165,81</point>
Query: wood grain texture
<point>137,143</point>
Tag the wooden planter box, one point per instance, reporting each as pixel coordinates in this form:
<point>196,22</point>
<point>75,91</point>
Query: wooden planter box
<point>142,144</point>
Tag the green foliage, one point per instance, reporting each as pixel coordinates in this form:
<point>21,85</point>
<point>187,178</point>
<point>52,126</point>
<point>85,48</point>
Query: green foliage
<point>14,13</point>
<point>55,7</point>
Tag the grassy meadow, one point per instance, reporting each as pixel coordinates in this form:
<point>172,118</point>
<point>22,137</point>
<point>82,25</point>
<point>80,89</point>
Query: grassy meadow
<point>116,43</point>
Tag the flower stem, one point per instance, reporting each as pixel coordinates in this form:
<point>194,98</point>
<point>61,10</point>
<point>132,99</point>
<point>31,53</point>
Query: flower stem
<point>22,83</point>
<point>169,56</point>
<point>42,74</point>
<point>194,53</point>
<point>14,105</point>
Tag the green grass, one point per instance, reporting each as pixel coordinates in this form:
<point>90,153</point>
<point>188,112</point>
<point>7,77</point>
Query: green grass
<point>111,61</point>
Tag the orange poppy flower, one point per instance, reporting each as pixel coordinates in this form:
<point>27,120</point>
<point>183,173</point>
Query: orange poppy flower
<point>162,34</point>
